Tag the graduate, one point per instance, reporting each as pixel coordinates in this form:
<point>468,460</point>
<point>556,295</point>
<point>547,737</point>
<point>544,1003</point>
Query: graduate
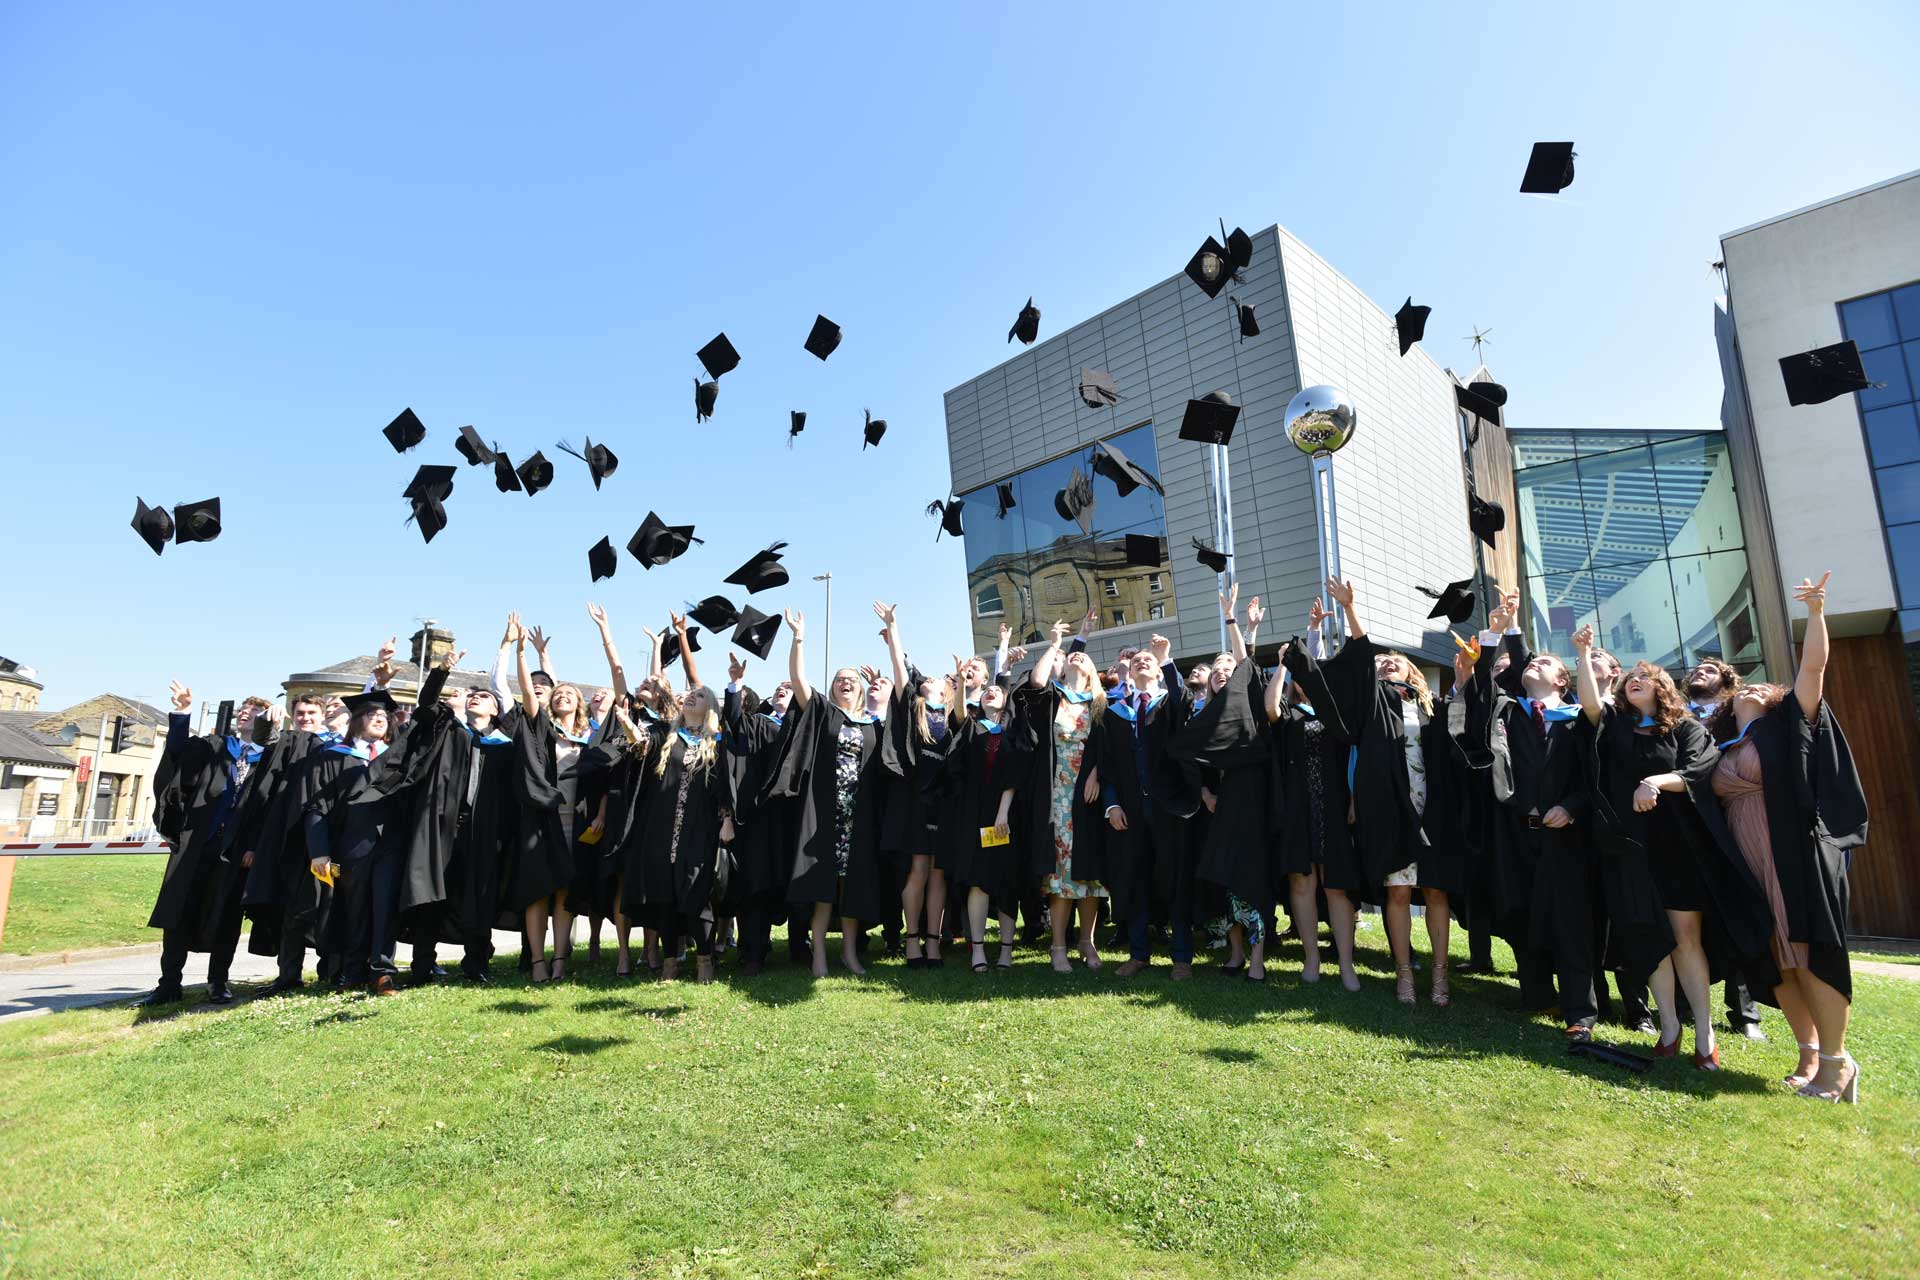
<point>197,790</point>
<point>1147,800</point>
<point>280,897</point>
<point>925,712</point>
<point>833,763</point>
<point>978,846</point>
<point>548,745</point>
<point>763,825</point>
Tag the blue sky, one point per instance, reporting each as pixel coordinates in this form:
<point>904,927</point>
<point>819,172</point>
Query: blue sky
<point>236,239</point>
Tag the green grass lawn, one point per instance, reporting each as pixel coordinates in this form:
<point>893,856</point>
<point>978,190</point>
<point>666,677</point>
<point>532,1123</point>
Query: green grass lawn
<point>934,1124</point>
<point>63,904</point>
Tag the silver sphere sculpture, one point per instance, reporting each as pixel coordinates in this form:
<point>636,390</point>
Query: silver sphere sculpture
<point>1320,420</point>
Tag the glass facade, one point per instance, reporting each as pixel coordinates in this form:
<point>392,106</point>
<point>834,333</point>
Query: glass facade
<point>1031,565</point>
<point>1886,328</point>
<point>1635,532</point>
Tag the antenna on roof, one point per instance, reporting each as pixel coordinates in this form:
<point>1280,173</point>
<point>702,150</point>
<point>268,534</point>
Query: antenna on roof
<point>1480,338</point>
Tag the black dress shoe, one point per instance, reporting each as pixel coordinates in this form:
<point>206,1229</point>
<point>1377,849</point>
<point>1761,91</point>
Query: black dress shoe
<point>281,986</point>
<point>1472,966</point>
<point>1642,1025</point>
<point>423,977</point>
<point>1751,1030</point>
<point>165,993</point>
<point>219,993</point>
<point>477,977</point>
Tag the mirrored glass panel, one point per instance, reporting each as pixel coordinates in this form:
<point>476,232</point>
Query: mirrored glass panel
<point>1637,619</point>
<point>1694,478</point>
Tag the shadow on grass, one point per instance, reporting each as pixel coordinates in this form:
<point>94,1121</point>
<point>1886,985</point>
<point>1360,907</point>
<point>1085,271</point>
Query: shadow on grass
<point>1232,1057</point>
<point>578,1046</point>
<point>517,1006</point>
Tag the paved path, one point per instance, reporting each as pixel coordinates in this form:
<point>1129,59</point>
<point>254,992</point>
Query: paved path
<point>122,973</point>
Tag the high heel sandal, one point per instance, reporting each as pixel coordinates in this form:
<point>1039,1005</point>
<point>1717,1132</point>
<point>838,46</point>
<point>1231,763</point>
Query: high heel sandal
<point>980,965</point>
<point>1403,984</point>
<point>540,979</point>
<point>1793,1079</point>
<point>560,959</point>
<point>1848,1093</point>
<point>917,940</point>
<point>1440,993</point>
<point>702,970</point>
<point>1708,1061</point>
<point>1006,956</point>
<point>1668,1048</point>
<point>1060,962</point>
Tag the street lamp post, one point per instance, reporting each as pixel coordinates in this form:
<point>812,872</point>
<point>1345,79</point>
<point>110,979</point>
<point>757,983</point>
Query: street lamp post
<point>826,648</point>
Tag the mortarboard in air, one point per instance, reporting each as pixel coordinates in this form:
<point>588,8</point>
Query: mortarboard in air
<point>1454,603</point>
<point>505,478</point>
<point>431,481</point>
<point>602,559</point>
<point>1143,550</point>
<point>756,631</point>
<point>1492,392</point>
<point>429,514</point>
<point>473,448</point>
<point>1206,555</point>
<point>1026,326</point>
<point>718,357</point>
<point>1126,474</point>
<point>714,613</point>
<point>153,524</point>
<point>196,521</point>
<point>371,700</point>
<point>1817,376</point>
<point>670,647</point>
<point>762,572</point>
<point>600,460</point>
<point>1410,322</point>
<point>1549,169</point>
<point>950,520</point>
<point>1477,405</point>
<point>223,720</point>
<point>705,396</point>
<point>1098,390</point>
<point>1210,419</point>
<point>1249,326</point>
<point>1485,518</point>
<point>405,431</point>
<point>536,473</point>
<point>1239,249</point>
<point>656,542</point>
<point>823,338</point>
<point>1075,502</point>
<point>1210,268</point>
<point>1003,495</point>
<point>876,427</point>
<point>796,424</point>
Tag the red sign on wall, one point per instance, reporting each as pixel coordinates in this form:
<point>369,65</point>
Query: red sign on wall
<point>86,770</point>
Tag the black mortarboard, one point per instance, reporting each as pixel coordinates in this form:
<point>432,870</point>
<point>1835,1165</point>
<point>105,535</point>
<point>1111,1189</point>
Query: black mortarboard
<point>1410,322</point>
<point>371,700</point>
<point>536,473</point>
<point>714,613</point>
<point>1817,376</point>
<point>705,396</point>
<point>196,521</point>
<point>1098,389</point>
<point>670,647</point>
<point>1206,555</point>
<point>405,431</point>
<point>599,459</point>
<point>756,631</point>
<point>472,447</point>
<point>223,719</point>
<point>1210,419</point>
<point>1126,474</point>
<point>823,338</point>
<point>153,524</point>
<point>876,427</point>
<point>1455,603</point>
<point>1492,392</point>
<point>1611,1054</point>
<point>1003,495</point>
<point>1239,249</point>
<point>1143,549</point>
<point>1075,502</point>
<point>1477,405</point>
<point>949,513</point>
<point>602,559</point>
<point>719,357</point>
<point>761,572</point>
<point>797,424</point>
<point>656,542</point>
<point>1485,518</point>
<point>1549,168</point>
<point>505,478</point>
<point>1026,326</point>
<point>429,514</point>
<point>431,482</point>
<point>1210,268</point>
<point>1249,326</point>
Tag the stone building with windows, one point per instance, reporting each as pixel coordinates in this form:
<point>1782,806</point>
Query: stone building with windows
<point>19,686</point>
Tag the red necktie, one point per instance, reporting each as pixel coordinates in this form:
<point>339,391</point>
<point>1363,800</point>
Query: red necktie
<point>1540,719</point>
<point>1140,706</point>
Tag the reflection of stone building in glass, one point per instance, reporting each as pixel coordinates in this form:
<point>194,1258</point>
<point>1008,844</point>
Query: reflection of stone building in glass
<point>1030,593</point>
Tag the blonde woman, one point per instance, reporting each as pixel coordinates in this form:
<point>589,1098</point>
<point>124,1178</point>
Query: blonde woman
<point>546,785</point>
<point>1059,720</point>
<point>924,717</point>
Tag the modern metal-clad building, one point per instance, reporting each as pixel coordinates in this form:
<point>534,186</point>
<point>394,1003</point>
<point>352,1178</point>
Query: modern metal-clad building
<point>1021,430</point>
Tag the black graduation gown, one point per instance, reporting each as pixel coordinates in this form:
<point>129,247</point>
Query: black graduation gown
<point>763,825</point>
<point>1816,817</point>
<point>261,828</point>
<point>1230,739</point>
<point>670,854</point>
<point>912,816</point>
<point>1310,762</point>
<point>978,767</point>
<point>597,866</point>
<point>192,809</point>
<point>1036,745</point>
<point>542,861</point>
<point>804,771</point>
<point>1158,797</point>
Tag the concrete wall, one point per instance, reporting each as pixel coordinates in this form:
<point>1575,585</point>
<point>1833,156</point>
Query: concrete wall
<point>1784,281</point>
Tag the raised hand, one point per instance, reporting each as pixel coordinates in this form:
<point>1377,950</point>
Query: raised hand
<point>1317,614</point>
<point>540,642</point>
<point>796,623</point>
<point>1229,600</point>
<point>1255,614</point>
<point>679,621</point>
<point>516,634</point>
<point>1462,667</point>
<point>387,650</point>
<point>653,637</point>
<point>1016,654</point>
<point>1087,623</point>
<point>182,696</point>
<point>884,612</point>
<point>598,615</point>
<point>1006,633</point>
<point>871,675</point>
<point>449,660</point>
<point>1342,592</point>
<point>1813,594</point>
<point>1061,630</point>
<point>736,668</point>
<point>1162,649</point>
<point>1583,639</point>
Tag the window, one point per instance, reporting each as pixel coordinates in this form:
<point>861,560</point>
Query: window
<point>1156,584</point>
<point>1886,328</point>
<point>987,602</point>
<point>1111,588</point>
<point>1119,618</point>
<point>1157,610</point>
<point>1059,588</point>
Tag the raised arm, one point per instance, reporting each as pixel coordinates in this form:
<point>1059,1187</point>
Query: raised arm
<point>1342,594</point>
<point>497,678</point>
<point>1229,605</point>
<point>686,650</point>
<point>543,651</point>
<point>1275,690</point>
<point>890,631</point>
<point>1317,618</point>
<point>1000,654</point>
<point>618,672</point>
<point>517,635</point>
<point>1809,686</point>
<point>1043,670</point>
<point>1590,704</point>
<point>796,673</point>
<point>1255,616</point>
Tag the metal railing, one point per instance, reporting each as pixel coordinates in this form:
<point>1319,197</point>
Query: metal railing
<point>43,829</point>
